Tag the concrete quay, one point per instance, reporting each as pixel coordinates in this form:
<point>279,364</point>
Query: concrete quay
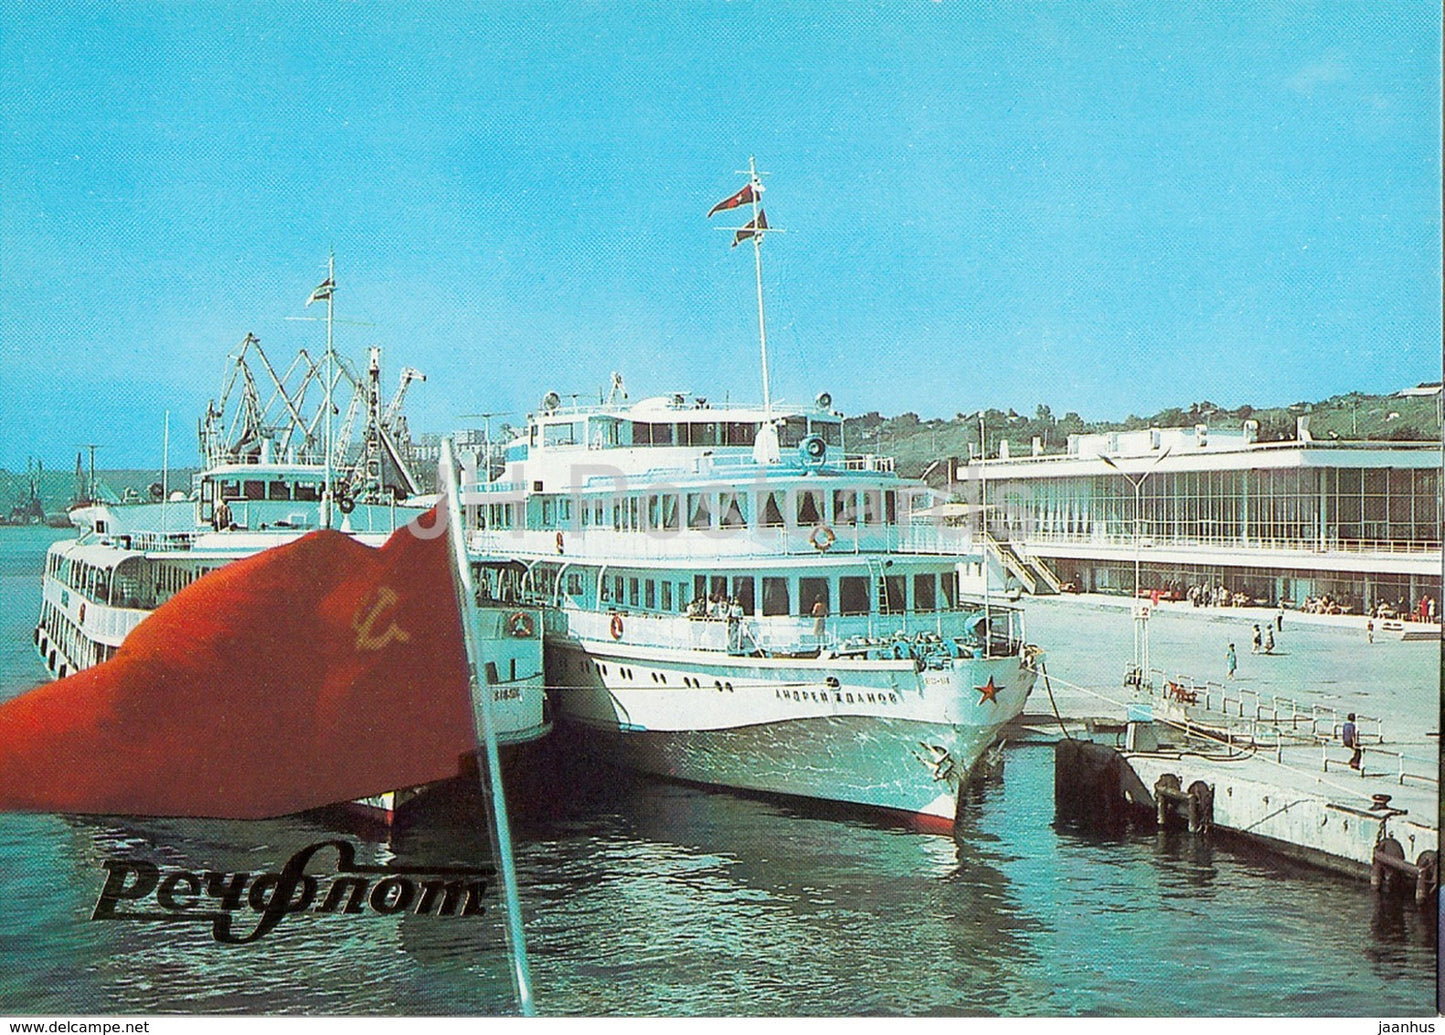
<point>1262,766</point>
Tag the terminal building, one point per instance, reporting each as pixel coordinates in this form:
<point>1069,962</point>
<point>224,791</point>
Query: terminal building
<point>1280,523</point>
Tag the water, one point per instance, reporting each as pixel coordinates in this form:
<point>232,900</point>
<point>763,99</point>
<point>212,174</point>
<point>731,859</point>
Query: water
<point>651,898</point>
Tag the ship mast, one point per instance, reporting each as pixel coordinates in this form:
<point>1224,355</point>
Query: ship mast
<point>330,290</point>
<point>759,228</point>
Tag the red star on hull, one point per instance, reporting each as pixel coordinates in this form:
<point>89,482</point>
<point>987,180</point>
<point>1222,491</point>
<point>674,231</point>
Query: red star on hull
<point>989,691</point>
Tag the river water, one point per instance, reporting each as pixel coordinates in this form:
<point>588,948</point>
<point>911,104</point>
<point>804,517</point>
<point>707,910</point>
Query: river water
<point>648,898</point>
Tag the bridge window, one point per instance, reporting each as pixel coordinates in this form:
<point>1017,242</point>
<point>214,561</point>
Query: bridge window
<point>230,490</point>
<point>871,509</point>
<point>278,491</point>
<point>830,432</point>
<point>741,434</point>
<point>254,490</point>
<point>845,506</point>
<point>792,431</point>
<point>307,491</point>
<point>567,434</point>
<point>666,596</point>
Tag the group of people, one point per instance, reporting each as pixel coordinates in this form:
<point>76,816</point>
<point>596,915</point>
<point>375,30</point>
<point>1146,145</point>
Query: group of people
<point>716,607</point>
<point>1262,642</point>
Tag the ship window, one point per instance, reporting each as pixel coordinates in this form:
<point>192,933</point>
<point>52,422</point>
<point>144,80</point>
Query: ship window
<point>741,434</point>
<point>830,432</point>
<point>853,595</point>
<point>307,491</point>
<point>669,512</point>
<point>792,431</point>
<point>492,673</point>
<point>699,514</point>
<point>254,490</point>
<point>845,506</point>
<point>603,433</point>
<point>949,585</point>
<point>574,584</point>
<point>810,591</point>
<point>771,511</point>
<point>719,586</point>
<point>546,513</point>
<point>662,434</point>
<point>733,507</point>
<point>699,587</point>
<point>681,596</point>
<point>666,595</point>
<point>872,511</point>
<point>890,507</point>
<point>230,490</point>
<point>617,588</point>
<point>566,434</point>
<point>810,508</point>
<point>278,491</point>
<point>649,594</point>
<point>925,593</point>
<point>895,599</point>
<point>743,590</point>
<point>703,434</point>
<point>632,591</point>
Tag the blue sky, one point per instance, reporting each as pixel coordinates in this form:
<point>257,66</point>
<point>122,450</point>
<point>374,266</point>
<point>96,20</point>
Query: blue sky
<point>1109,208</point>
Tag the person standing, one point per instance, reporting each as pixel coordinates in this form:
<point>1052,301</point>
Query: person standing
<point>1268,640</point>
<point>1258,639</point>
<point>1369,630</point>
<point>1232,660</point>
<point>1350,736</point>
<point>1279,618</point>
<point>820,618</point>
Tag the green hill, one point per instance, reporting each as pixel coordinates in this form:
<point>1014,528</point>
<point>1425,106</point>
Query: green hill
<point>915,443</point>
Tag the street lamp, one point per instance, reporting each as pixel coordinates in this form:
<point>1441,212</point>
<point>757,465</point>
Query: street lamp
<point>1141,614</point>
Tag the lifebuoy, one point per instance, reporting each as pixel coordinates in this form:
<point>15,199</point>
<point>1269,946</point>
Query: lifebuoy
<point>822,538</point>
<point>345,504</point>
<point>520,625</point>
<point>560,542</point>
<point>617,627</point>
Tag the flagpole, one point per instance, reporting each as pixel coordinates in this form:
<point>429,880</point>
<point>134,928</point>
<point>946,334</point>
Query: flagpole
<point>326,494</point>
<point>501,828</point>
<point>758,266</point>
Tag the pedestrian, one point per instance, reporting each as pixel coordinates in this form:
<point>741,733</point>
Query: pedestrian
<point>1279,618</point>
<point>1258,639</point>
<point>1369,630</point>
<point>1268,640</point>
<point>1232,659</point>
<point>1350,736</point>
<point>1430,609</point>
<point>735,626</point>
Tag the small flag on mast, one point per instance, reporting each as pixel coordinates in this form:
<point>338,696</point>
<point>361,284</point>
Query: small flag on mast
<point>322,292</point>
<point>752,229</point>
<point>746,196</point>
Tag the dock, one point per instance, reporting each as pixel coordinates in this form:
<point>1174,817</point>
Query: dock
<point>1269,772</point>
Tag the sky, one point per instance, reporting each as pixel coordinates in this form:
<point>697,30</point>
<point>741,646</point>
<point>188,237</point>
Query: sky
<point>1109,208</point>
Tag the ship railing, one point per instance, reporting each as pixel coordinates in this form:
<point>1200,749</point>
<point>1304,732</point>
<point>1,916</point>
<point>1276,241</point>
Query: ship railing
<point>742,542</point>
<point>772,634</point>
<point>1032,534</point>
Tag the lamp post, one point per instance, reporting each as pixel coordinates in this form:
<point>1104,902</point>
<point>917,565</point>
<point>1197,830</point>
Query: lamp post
<point>1141,613</point>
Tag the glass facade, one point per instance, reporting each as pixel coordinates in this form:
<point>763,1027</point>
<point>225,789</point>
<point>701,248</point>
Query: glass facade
<point>1269,508</point>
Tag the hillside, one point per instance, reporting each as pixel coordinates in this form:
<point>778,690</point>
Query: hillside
<point>915,443</point>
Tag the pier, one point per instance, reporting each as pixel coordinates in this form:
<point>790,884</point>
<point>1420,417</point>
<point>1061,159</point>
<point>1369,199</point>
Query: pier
<point>1264,768</point>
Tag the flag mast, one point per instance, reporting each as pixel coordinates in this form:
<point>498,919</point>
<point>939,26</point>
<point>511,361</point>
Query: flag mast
<point>758,230</point>
<point>326,494</point>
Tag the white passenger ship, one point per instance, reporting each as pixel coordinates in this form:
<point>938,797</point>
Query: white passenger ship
<point>268,479</point>
<point>842,663</point>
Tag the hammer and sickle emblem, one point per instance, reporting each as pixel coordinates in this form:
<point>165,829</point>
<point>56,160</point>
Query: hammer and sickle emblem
<point>373,611</point>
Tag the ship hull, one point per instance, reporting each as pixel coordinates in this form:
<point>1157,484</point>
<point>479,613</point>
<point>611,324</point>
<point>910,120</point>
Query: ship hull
<point>885,737</point>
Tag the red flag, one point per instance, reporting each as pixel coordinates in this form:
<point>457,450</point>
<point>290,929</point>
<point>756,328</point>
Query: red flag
<point>323,291</point>
<point>751,229</point>
<point>742,197</point>
<point>316,672</point>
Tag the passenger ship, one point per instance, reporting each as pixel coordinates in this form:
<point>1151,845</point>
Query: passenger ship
<point>842,664</point>
<point>268,479</point>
